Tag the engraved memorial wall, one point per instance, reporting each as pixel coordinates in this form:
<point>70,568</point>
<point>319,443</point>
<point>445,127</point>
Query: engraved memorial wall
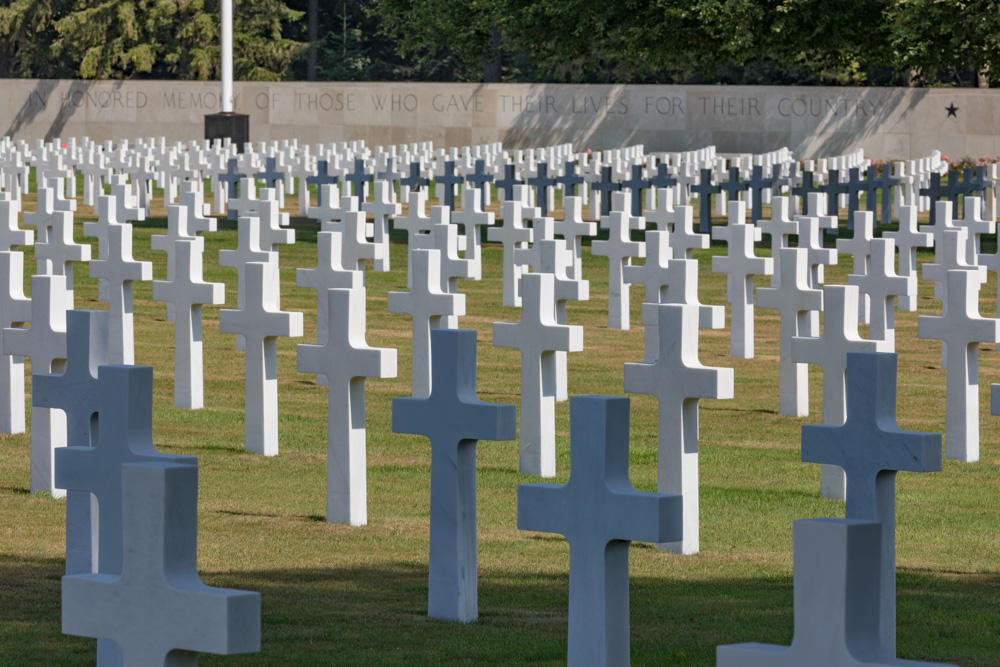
<point>889,123</point>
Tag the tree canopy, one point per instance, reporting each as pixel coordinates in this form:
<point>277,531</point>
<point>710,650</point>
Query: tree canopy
<point>832,42</point>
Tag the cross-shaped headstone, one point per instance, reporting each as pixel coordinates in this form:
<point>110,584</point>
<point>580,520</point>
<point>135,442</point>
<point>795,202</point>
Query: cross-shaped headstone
<point>836,584</point>
<point>949,254</point>
<point>57,252</point>
<point>444,184</point>
<point>705,189</point>
<point>77,393</point>
<point>793,299</point>
<point>757,184</point>
<point>619,248</point>
<point>833,189</point>
<point>15,310</point>
<point>11,236</point>
<point>871,448</point>
<point>908,238</point>
<point>538,336</point>
<point>480,180</point>
<point>960,328</point>
<point>599,512</point>
<point>415,181</point>
<point>426,304</point>
<point>359,178</point>
<point>811,239</point>
<point>569,179</point>
<point>44,342</point>
<point>270,176</point>
<point>604,187</point>
<point>859,248</point>
<point>187,291</point>
<point>322,177</point>
<point>677,379</point>
<point>880,284</point>
<point>635,185</point>
<point>415,223</point>
<point>855,186</point>
<point>779,227</point>
<point>512,234</point>
<point>886,181</point>
<point>975,225</point>
<point>829,351</point>
<point>158,606</point>
<point>454,420</point>
<point>733,186</point>
<point>260,320</point>
<point>345,360</point>
<point>740,265</point>
<point>936,191</point>
<point>231,178</point>
<point>120,271</point>
<point>382,208</point>
<point>472,218</point>
<point>573,229</point>
<point>543,182</point>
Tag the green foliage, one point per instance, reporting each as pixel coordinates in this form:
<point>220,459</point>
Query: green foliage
<point>947,42</point>
<point>805,42</point>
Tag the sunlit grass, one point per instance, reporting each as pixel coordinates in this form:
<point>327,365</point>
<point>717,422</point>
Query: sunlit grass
<point>339,595</point>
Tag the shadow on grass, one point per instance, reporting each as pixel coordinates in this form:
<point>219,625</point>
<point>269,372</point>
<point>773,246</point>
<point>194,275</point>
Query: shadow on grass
<point>377,615</point>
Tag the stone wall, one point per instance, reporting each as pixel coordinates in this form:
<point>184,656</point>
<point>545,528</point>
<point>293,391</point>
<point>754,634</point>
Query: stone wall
<point>814,122</point>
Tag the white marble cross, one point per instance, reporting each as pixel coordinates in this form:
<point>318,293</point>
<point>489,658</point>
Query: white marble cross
<point>512,234</point>
<point>555,259</point>
<point>158,604</point>
<point>740,265</point>
<point>793,299</point>
<point>12,237</point>
<point>472,217</point>
<point>573,229</point>
<point>454,420</point>
<point>77,393</point>
<point>870,448</point>
<point>859,248</point>
<point>950,248</point>
<point>683,238</point>
<point>56,254</point>
<point>678,379</point>
<point>416,223</point>
<point>426,304</point>
<point>975,225</point>
<point>177,228</point>
<point>329,273</point>
<point>261,321</point>
<point>779,227</point>
<point>811,239</point>
<point>15,310</point>
<point>382,208</point>
<point>120,271</point>
<point>881,284</point>
<point>44,342</point>
<point>345,360</point>
<point>829,351</point>
<point>599,513</point>
<point>619,249</point>
<point>538,336</point>
<point>960,328</point>
<point>248,249</point>
<point>836,584</point>
<point>662,214</point>
<point>907,240</point>
<point>187,292</point>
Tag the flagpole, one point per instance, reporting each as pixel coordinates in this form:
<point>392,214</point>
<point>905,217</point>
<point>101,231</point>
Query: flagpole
<point>227,56</point>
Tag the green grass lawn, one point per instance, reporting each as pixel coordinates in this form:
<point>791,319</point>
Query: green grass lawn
<point>333,594</point>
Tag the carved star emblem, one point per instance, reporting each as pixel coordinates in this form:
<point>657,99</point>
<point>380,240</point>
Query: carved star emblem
<point>951,109</point>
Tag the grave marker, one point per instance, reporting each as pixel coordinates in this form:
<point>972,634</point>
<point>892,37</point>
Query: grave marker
<point>454,420</point>
<point>599,513</point>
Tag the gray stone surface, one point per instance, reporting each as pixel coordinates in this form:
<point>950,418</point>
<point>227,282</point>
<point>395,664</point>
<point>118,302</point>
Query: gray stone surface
<point>454,419</point>
<point>814,121</point>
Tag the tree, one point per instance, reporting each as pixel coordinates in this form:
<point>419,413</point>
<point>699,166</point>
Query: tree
<point>27,31</point>
<point>115,39</point>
